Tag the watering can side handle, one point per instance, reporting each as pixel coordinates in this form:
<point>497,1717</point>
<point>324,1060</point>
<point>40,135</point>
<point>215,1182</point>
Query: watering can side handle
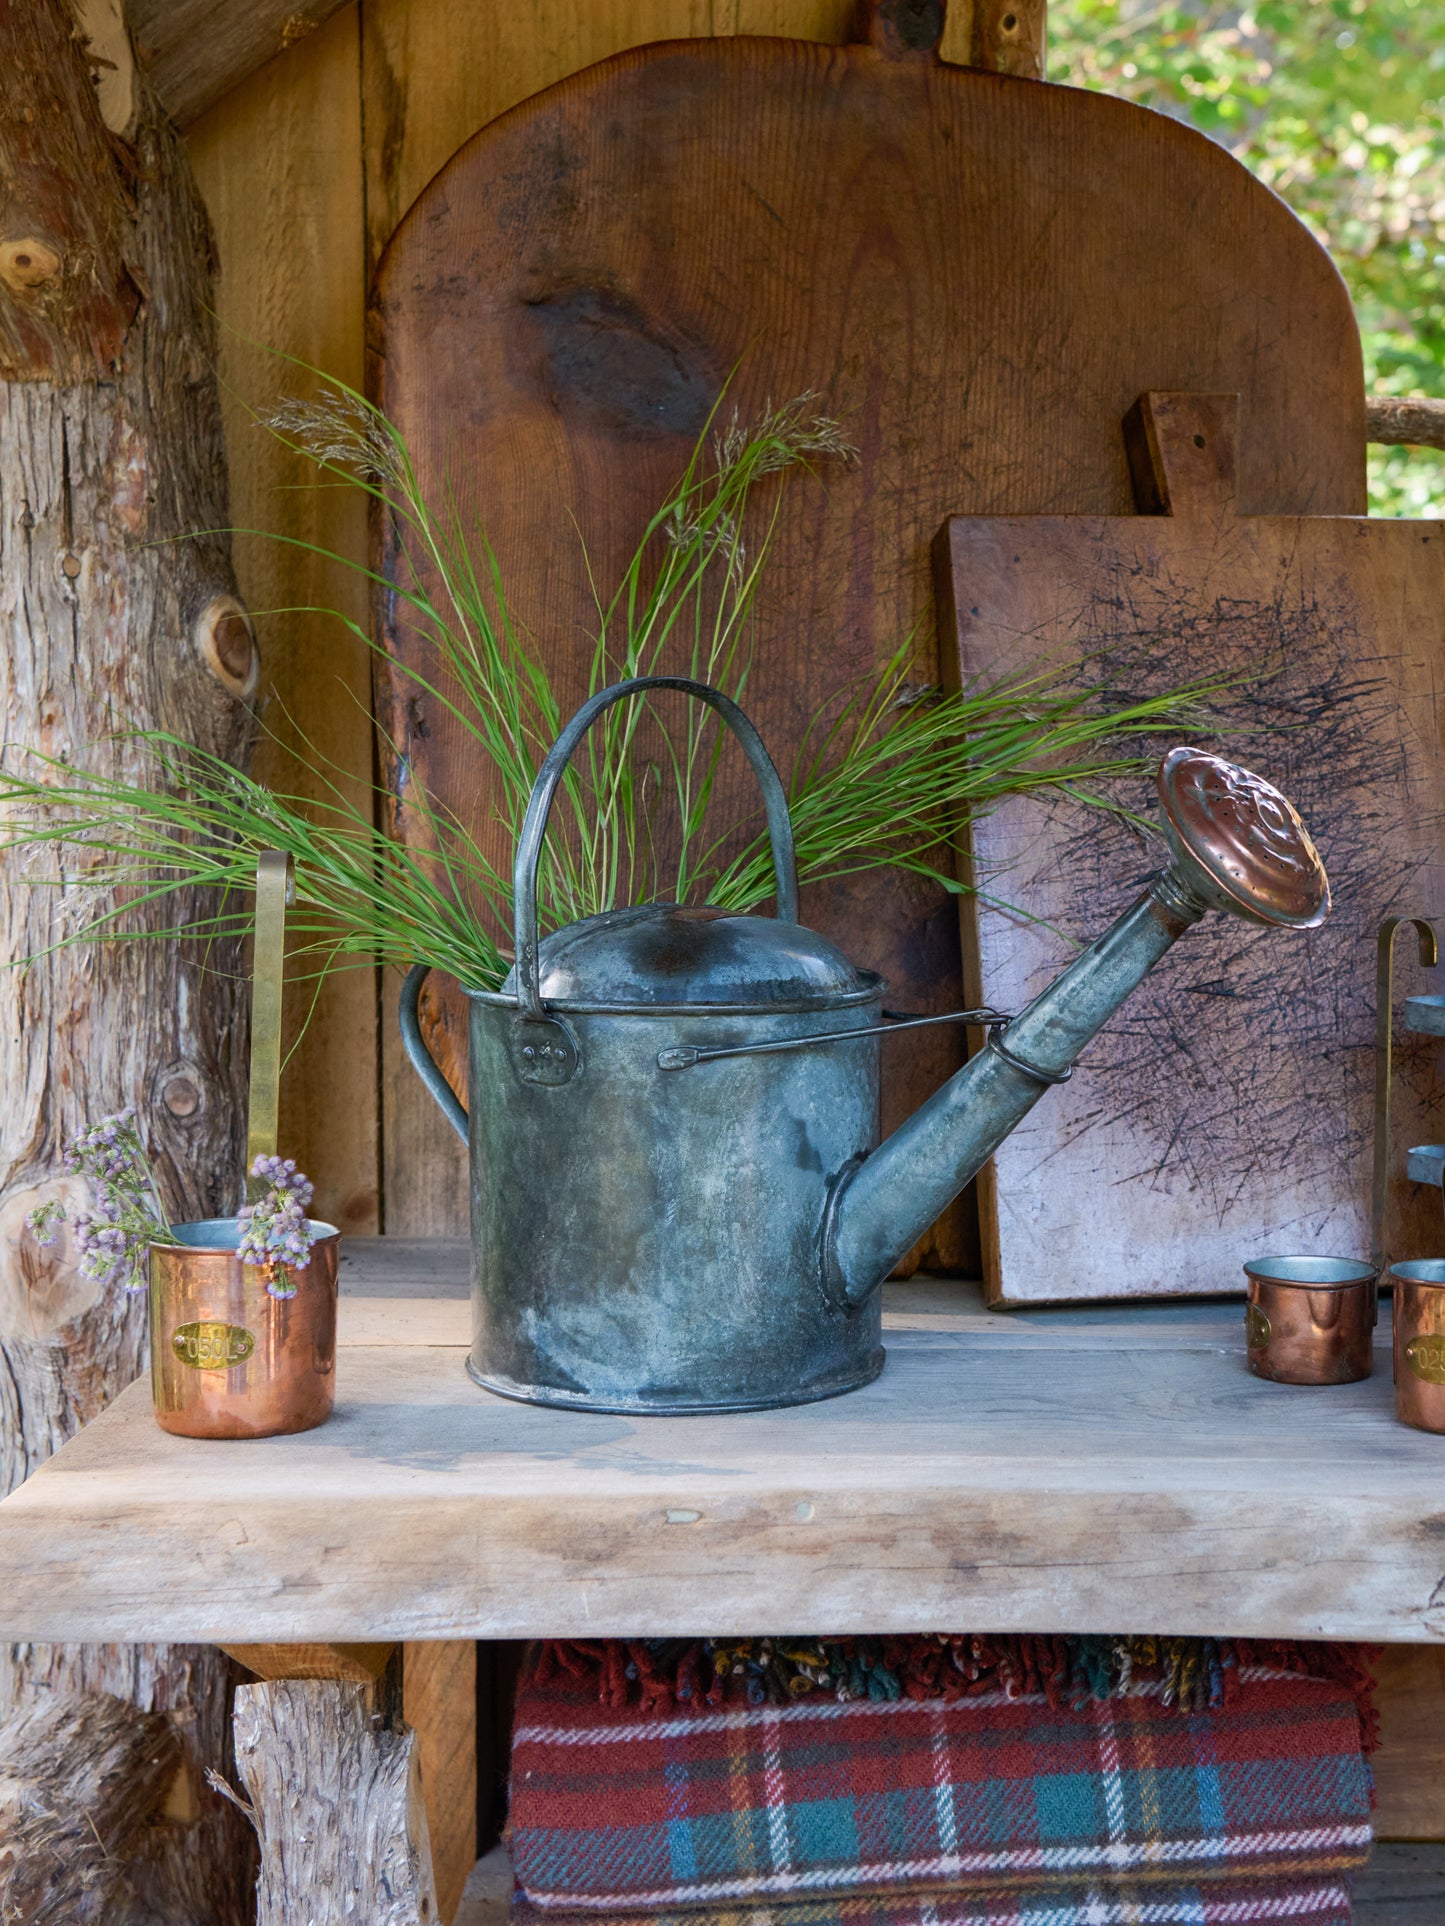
<point>422,1060</point>
<point>549,777</point>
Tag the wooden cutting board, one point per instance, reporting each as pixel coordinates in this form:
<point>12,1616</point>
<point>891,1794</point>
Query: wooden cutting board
<point>978,273</point>
<point>1227,1111</point>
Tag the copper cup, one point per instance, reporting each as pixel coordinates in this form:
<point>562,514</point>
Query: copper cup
<point>1420,1342</point>
<point>228,1360</point>
<point>1310,1320</point>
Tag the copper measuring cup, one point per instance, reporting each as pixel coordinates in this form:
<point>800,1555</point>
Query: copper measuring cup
<point>1420,1342</point>
<point>229,1359</point>
<point>1310,1320</point>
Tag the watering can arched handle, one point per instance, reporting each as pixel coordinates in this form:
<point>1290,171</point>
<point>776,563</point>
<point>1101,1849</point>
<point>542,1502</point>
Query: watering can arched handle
<point>539,807</point>
<point>422,1060</point>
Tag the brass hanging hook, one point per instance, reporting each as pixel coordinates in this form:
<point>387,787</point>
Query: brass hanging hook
<point>275,888</point>
<point>1384,1029</point>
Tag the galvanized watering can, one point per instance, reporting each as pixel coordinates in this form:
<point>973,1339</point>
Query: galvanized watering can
<point>676,1200</point>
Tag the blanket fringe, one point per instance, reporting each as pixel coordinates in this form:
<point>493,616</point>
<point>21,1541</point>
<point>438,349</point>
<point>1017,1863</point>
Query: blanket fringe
<point>665,1675</point>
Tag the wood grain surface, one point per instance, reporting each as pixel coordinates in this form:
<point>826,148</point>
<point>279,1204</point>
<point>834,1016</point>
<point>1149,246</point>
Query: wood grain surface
<point>1045,1472</point>
<point>1226,1112</point>
<point>561,306</point>
<point>110,460</point>
<point>1410,1764</point>
<point>199,50</point>
<point>439,1699</point>
<point>281,163</point>
<point>336,1796</point>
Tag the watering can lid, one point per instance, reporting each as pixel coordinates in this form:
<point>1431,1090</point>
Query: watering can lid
<point>666,954</point>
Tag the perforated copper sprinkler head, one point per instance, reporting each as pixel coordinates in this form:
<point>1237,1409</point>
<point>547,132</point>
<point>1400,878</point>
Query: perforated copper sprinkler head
<point>1242,843</point>
<point>1310,1320</point>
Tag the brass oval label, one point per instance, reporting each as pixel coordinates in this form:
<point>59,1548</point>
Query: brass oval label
<point>1257,1331</point>
<point>1426,1358</point>
<point>212,1347</point>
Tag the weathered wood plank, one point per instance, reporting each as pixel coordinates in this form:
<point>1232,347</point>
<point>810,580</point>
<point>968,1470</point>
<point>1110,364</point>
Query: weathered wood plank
<point>488,1897</point>
<point>404,1267</point>
<point>352,1664</point>
<point>280,168</point>
<point>199,50</point>
<point>996,1476</point>
<point>1401,1886</point>
<point>1410,1764</point>
<point>439,1698</point>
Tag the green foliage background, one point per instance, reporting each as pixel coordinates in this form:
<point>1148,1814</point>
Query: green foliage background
<point>1337,105</point>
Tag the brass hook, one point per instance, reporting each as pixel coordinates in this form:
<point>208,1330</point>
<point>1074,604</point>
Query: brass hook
<point>1384,1027</point>
<point>275,888</point>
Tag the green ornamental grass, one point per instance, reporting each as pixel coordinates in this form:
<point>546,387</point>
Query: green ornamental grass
<point>885,776</point>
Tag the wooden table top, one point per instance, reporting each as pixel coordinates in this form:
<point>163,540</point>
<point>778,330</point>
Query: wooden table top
<point>1088,1470</point>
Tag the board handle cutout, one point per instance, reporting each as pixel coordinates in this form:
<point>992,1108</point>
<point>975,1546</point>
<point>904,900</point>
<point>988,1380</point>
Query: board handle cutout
<point>1182,451</point>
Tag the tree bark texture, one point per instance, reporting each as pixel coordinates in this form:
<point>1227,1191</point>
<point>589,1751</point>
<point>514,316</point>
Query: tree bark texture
<point>80,1777</point>
<point>1415,420</point>
<point>336,1796</point>
<point>110,450</point>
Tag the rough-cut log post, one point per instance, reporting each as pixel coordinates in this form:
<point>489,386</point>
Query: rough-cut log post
<point>335,1792</point>
<point>80,1776</point>
<point>110,444</point>
<point>1410,420</point>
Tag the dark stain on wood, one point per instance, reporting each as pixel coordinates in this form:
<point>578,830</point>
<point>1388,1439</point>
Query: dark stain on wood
<point>608,366</point>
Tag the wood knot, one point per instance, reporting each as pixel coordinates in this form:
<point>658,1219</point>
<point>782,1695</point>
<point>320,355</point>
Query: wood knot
<point>227,645</point>
<point>904,26</point>
<point>27,263</point>
<point>181,1093</point>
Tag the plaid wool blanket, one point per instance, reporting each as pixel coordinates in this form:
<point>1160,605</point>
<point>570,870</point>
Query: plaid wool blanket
<point>619,1811</point>
<point>1273,1902</point>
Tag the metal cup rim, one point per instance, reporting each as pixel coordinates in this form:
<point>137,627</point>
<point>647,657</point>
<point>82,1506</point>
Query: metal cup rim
<point>218,1236</point>
<point>1410,1269</point>
<point>1347,1272</point>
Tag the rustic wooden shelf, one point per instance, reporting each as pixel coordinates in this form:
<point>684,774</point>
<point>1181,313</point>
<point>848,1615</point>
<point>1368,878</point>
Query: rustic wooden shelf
<point>1080,1471</point>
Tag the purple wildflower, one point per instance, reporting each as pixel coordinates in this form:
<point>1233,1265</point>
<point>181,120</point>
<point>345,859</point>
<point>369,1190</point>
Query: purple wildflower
<point>45,1220</point>
<point>125,1219</point>
<point>275,1232</point>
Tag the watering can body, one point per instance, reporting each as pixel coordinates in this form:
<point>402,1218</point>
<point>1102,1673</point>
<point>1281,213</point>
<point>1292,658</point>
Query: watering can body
<point>646,1242</point>
<point>677,1198</point>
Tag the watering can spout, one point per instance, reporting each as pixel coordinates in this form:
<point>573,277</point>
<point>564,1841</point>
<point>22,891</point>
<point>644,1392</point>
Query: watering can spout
<point>1238,846</point>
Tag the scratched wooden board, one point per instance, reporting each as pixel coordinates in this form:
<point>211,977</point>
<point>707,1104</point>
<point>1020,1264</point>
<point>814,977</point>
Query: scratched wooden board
<point>1227,1110</point>
<point>978,272</point>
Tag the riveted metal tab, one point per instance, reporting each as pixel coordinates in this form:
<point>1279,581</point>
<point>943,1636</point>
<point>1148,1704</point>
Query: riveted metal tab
<point>1257,1328</point>
<point>544,1050</point>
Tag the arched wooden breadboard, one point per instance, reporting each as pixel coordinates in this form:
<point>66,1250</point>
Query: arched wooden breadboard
<point>978,272</point>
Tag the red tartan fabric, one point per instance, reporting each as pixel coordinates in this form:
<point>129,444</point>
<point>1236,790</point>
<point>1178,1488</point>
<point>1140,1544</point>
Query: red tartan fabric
<point>1229,1902</point>
<point>616,1811</point>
